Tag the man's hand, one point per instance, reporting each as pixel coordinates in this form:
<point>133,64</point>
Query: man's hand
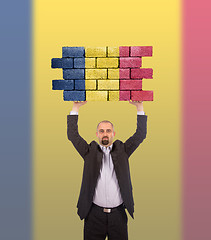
<point>77,105</point>
<point>138,104</point>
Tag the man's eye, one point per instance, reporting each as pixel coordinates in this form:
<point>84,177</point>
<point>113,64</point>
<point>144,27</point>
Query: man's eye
<point>101,131</point>
<point>109,130</point>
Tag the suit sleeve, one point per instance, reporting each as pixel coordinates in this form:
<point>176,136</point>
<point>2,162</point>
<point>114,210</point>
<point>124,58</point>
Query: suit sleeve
<point>141,131</point>
<point>73,135</point>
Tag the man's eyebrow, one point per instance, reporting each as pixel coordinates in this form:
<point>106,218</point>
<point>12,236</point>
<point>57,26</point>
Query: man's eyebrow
<point>104,129</point>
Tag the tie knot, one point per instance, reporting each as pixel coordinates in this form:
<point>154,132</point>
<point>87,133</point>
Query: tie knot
<point>106,149</point>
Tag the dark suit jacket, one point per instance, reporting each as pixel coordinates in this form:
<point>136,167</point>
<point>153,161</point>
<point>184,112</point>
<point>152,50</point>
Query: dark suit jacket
<point>92,155</point>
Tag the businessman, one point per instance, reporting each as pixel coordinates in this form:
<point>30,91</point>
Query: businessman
<point>106,189</point>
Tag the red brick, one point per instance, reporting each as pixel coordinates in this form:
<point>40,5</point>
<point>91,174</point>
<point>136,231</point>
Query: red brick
<point>141,73</point>
<point>124,73</point>
<point>130,84</point>
<point>142,95</point>
<point>130,62</point>
<point>145,51</point>
<point>124,95</point>
<point>124,51</point>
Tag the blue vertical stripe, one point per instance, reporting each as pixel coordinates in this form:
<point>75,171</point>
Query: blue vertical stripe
<point>15,110</point>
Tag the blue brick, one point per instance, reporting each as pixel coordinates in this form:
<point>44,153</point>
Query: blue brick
<point>73,52</point>
<point>79,84</point>
<point>79,62</point>
<point>74,95</point>
<point>63,84</point>
<point>67,62</point>
<point>56,62</point>
<point>73,74</point>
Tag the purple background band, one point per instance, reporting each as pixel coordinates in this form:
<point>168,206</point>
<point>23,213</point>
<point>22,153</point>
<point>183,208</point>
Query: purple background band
<point>196,120</point>
<point>15,139</point>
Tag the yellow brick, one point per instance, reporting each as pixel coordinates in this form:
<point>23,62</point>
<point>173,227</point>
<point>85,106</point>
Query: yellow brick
<point>95,52</point>
<point>107,62</point>
<point>90,84</point>
<point>96,95</point>
<point>113,95</point>
<point>113,51</point>
<point>95,73</point>
<point>108,84</point>
<point>90,63</point>
<point>113,73</point>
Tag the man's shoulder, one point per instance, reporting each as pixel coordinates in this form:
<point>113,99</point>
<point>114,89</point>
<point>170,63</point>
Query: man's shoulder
<point>118,144</point>
<point>94,145</point>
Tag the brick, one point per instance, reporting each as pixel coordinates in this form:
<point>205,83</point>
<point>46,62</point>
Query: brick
<point>95,51</point>
<point>56,63</point>
<point>74,96</point>
<point>130,84</point>
<point>113,96</point>
<point>124,73</point>
<point>145,51</point>
<point>90,63</point>
<point>63,84</point>
<point>124,51</point>
<point>79,62</point>
<point>130,62</point>
<point>113,51</point>
<point>141,73</point>
<point>113,73</point>
<point>62,63</point>
<point>108,84</point>
<point>73,52</point>
<point>142,95</point>
<point>91,84</point>
<point>73,74</point>
<point>96,73</point>
<point>107,62</point>
<point>67,63</point>
<point>79,84</point>
<point>96,95</point>
<point>124,95</point>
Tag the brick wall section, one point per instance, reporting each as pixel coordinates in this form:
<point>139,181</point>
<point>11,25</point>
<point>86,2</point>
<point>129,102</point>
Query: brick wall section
<point>131,74</point>
<point>103,73</point>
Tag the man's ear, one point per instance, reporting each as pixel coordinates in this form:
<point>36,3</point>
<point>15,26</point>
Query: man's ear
<point>96,134</point>
<point>114,133</point>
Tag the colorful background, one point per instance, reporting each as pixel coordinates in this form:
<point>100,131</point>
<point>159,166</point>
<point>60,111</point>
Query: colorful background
<point>40,171</point>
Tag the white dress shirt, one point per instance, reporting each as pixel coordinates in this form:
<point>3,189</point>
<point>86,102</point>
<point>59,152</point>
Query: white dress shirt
<point>107,192</point>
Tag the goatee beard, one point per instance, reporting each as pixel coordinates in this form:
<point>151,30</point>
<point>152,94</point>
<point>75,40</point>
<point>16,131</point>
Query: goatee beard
<point>105,142</point>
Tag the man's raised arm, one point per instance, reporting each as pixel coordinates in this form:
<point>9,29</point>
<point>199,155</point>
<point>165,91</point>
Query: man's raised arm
<point>133,142</point>
<point>72,130</point>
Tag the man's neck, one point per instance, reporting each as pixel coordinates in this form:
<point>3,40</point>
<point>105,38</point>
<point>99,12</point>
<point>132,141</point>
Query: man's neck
<point>110,145</point>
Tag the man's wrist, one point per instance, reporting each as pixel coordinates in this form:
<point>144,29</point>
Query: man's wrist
<point>75,109</point>
<point>73,113</point>
<point>140,113</point>
<point>140,108</point>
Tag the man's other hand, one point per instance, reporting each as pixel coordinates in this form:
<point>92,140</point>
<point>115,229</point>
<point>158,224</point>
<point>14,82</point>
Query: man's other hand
<point>77,105</point>
<point>138,104</point>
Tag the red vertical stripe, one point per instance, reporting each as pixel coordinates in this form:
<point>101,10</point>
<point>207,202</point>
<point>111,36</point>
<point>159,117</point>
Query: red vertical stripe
<point>197,120</point>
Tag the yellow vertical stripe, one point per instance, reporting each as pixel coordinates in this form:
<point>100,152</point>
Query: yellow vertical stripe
<point>155,166</point>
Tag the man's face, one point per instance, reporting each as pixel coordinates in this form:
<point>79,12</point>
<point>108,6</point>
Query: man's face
<point>105,134</point>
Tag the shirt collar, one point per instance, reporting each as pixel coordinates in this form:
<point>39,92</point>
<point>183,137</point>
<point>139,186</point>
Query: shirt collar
<point>103,147</point>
